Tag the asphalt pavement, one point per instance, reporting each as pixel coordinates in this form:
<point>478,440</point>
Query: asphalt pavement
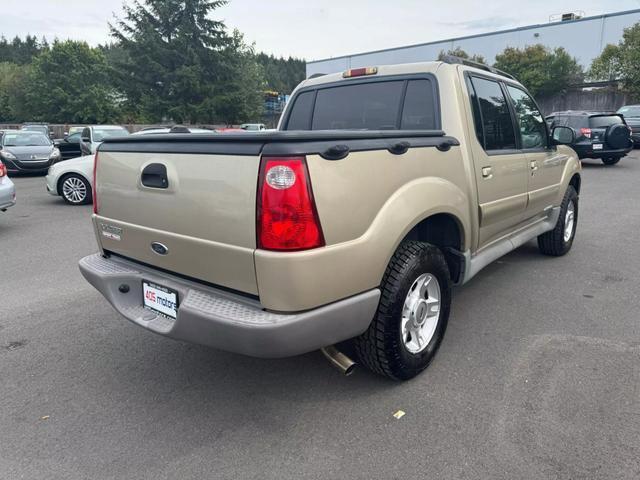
<point>538,376</point>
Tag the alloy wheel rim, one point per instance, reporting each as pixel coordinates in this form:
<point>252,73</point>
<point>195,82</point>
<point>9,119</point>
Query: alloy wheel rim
<point>420,313</point>
<point>569,221</point>
<point>74,190</point>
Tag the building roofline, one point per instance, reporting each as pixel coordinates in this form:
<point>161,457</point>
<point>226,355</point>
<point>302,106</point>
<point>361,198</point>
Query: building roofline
<point>477,35</point>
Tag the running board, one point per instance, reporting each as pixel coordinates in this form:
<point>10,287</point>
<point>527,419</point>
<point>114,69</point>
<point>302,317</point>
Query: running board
<point>475,263</point>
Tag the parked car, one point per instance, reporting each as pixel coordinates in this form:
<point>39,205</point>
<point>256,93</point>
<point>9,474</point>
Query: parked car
<point>27,151</point>
<point>353,222</point>
<point>69,146</point>
<point>602,135</point>
<point>631,114</point>
<point>72,180</point>
<point>93,135</point>
<point>253,127</point>
<point>229,129</point>
<point>173,129</point>
<point>42,128</point>
<point>7,189</point>
<point>75,129</point>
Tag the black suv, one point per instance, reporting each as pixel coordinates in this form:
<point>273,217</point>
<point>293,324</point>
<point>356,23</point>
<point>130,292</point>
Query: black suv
<point>598,135</point>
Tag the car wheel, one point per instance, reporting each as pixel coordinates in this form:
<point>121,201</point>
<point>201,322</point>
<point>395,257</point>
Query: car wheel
<point>558,241</point>
<point>412,315</point>
<point>610,160</point>
<point>75,189</point>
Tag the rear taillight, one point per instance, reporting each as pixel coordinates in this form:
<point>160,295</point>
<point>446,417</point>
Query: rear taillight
<point>3,170</point>
<point>287,218</point>
<point>94,186</point>
<point>586,132</point>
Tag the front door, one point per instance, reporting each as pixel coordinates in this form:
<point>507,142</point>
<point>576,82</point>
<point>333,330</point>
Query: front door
<point>500,167</point>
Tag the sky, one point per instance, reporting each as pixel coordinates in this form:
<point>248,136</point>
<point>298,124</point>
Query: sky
<point>310,29</point>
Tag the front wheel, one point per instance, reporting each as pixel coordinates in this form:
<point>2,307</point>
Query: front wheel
<point>558,241</point>
<point>75,189</point>
<point>411,319</point>
<point>610,160</point>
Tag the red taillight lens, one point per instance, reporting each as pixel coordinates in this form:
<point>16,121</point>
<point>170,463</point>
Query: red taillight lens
<point>3,170</point>
<point>94,186</point>
<point>586,132</point>
<point>286,213</point>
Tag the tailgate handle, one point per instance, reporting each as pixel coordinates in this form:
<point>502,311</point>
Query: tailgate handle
<point>154,175</point>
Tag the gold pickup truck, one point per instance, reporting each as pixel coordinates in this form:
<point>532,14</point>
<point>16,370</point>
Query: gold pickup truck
<point>382,189</point>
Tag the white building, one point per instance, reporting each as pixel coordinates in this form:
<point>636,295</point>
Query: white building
<point>583,38</point>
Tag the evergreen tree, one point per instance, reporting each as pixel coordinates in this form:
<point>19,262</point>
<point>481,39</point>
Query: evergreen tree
<point>172,65</point>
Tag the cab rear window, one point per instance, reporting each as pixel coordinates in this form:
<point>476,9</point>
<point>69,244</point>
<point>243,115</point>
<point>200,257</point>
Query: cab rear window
<point>384,105</point>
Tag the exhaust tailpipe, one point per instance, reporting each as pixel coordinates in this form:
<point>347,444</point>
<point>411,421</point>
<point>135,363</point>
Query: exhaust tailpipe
<point>339,360</point>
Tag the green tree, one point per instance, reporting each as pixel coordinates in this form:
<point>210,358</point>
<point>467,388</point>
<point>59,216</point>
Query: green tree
<point>281,74</point>
<point>171,65</point>
<point>459,52</point>
<point>542,71</point>
<point>69,83</point>
<point>620,62</point>
<point>12,78</point>
<point>241,90</point>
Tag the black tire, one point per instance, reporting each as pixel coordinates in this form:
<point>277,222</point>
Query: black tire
<point>381,348</point>
<point>71,199</point>
<point>553,242</point>
<point>610,160</point>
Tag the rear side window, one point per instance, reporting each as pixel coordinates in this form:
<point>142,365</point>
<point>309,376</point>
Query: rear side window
<point>604,121</point>
<point>493,122</point>
<point>375,105</point>
<point>300,117</point>
<point>366,106</point>
<point>419,109</point>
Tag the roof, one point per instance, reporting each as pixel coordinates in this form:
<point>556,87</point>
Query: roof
<point>480,35</point>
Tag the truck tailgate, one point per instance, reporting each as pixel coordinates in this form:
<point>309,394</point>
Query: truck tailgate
<point>205,217</point>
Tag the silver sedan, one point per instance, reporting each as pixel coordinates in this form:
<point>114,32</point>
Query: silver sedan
<point>7,190</point>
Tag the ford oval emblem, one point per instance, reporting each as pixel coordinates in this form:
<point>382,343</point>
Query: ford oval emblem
<point>159,248</point>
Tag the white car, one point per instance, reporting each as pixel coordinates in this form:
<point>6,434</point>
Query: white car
<point>72,180</point>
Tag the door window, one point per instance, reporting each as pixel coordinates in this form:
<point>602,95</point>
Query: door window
<point>492,118</point>
<point>533,132</point>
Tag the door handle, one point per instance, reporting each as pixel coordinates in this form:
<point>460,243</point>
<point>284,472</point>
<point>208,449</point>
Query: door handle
<point>534,166</point>
<point>487,173</point>
<point>154,175</point>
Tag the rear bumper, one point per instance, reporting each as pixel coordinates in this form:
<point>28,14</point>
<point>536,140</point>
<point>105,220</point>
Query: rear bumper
<point>7,195</point>
<point>587,151</point>
<point>224,320</point>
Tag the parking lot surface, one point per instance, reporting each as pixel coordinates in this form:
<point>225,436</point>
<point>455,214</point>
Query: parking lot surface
<point>538,375</point>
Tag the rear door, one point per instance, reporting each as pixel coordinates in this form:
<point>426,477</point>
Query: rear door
<point>545,164</point>
<point>500,167</point>
<point>598,124</point>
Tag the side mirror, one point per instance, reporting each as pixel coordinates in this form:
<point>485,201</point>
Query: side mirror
<point>562,135</point>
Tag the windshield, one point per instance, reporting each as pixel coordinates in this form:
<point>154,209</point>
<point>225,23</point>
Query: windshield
<point>604,121</point>
<point>630,111</point>
<point>36,128</point>
<point>99,134</point>
<point>24,139</point>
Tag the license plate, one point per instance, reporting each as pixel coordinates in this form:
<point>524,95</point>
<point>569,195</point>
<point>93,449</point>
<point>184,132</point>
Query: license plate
<point>160,299</point>
<point>597,146</point>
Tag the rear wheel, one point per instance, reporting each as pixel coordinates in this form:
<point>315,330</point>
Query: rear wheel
<point>558,241</point>
<point>75,189</point>
<point>411,320</point>
<point>610,160</point>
